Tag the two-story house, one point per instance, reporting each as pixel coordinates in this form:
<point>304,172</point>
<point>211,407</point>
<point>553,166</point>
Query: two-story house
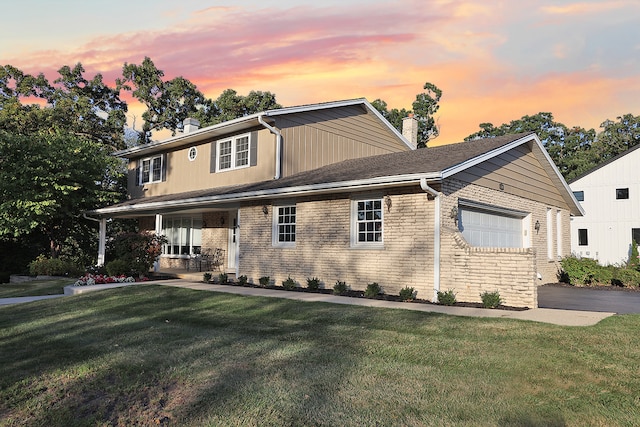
<point>333,191</point>
<point>610,195</point>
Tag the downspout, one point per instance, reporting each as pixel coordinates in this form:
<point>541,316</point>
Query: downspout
<point>436,237</point>
<point>278,135</point>
<point>102,238</point>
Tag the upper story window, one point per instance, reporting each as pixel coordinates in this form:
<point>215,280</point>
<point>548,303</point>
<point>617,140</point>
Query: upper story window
<point>192,154</point>
<point>233,153</point>
<point>151,170</point>
<point>622,193</point>
<point>366,222</point>
<point>579,195</point>
<point>284,225</point>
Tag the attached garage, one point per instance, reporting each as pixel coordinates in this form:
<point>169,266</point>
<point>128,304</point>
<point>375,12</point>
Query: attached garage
<point>492,227</point>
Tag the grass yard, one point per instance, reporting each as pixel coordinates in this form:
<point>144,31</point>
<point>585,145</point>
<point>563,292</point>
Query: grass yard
<point>35,288</point>
<point>154,355</point>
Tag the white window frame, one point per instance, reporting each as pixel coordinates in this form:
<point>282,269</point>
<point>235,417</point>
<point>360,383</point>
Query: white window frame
<point>559,234</point>
<point>356,221</point>
<point>151,161</point>
<point>549,234</point>
<point>192,153</point>
<point>193,240</point>
<point>234,152</point>
<point>523,217</point>
<point>278,212</point>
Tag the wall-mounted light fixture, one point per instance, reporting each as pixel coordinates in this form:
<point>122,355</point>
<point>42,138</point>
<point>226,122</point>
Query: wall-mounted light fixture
<point>454,214</point>
<point>221,220</point>
<point>387,201</point>
<point>265,209</point>
<point>537,226</point>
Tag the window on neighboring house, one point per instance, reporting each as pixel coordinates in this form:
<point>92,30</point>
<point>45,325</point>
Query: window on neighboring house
<point>579,195</point>
<point>284,225</point>
<point>151,170</point>
<point>583,239</point>
<point>233,153</point>
<point>635,235</point>
<point>184,235</point>
<point>622,193</point>
<point>367,222</point>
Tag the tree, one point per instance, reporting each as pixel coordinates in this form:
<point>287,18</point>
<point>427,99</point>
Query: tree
<point>424,108</point>
<point>170,102</point>
<point>48,180</point>
<point>567,147</point>
<point>75,105</point>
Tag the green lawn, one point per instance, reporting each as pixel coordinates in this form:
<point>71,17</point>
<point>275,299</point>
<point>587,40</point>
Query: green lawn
<point>154,355</point>
<point>37,287</point>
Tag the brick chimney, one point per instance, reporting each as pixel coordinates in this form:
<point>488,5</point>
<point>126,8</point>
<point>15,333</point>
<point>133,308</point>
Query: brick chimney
<point>190,125</point>
<point>410,129</point>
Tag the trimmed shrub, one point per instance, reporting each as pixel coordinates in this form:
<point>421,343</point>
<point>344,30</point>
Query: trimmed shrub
<point>206,277</point>
<point>118,267</point>
<point>446,297</point>
<point>407,294</point>
<point>340,288</point>
<point>223,277</point>
<point>313,284</point>
<point>579,271</point>
<point>373,290</point>
<point>626,277</point>
<point>490,299</point>
<point>242,280</point>
<point>264,281</point>
<point>289,284</point>
<point>43,266</point>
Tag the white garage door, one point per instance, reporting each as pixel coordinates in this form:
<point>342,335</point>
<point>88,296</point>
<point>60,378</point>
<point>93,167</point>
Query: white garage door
<point>490,230</point>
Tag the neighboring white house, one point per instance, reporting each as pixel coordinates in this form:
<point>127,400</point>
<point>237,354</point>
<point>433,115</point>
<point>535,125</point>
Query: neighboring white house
<point>610,196</point>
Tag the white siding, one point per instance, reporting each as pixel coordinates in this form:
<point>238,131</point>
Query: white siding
<point>608,220</point>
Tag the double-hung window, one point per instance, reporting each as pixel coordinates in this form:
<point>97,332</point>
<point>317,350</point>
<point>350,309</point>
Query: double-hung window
<point>183,234</point>
<point>233,153</point>
<point>366,222</point>
<point>284,225</point>
<point>151,170</point>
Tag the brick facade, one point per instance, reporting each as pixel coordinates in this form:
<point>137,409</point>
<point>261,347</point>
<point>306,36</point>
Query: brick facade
<point>323,246</point>
<point>470,271</point>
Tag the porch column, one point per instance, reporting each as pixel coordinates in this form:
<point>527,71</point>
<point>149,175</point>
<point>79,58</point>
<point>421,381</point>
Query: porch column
<point>158,231</point>
<point>102,241</point>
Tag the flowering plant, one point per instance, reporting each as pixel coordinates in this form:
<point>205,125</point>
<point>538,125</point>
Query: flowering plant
<point>99,279</point>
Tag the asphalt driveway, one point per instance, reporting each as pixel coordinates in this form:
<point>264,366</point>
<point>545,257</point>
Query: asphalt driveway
<point>587,299</point>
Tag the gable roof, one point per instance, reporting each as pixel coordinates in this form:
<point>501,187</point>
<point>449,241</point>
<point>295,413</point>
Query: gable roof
<point>247,122</point>
<point>394,169</point>
<point>605,163</point>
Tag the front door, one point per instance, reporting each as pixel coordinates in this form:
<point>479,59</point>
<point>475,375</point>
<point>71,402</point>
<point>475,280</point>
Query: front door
<point>234,241</point>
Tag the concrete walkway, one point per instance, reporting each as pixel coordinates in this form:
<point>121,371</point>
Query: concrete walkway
<point>544,315</point>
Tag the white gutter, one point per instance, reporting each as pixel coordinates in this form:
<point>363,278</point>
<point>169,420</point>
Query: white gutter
<point>436,237</point>
<point>331,187</point>
<point>278,135</point>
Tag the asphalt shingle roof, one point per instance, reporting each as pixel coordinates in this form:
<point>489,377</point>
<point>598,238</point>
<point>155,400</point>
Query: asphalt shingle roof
<point>421,161</point>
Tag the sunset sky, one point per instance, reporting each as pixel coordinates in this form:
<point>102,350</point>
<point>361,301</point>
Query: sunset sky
<point>494,60</point>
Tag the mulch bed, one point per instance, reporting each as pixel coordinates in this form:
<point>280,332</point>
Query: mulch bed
<point>384,297</point>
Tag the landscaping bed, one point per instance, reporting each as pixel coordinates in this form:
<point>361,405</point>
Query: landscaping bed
<point>361,294</point>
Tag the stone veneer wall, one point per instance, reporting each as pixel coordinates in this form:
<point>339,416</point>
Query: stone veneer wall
<point>323,247</point>
<point>469,271</point>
